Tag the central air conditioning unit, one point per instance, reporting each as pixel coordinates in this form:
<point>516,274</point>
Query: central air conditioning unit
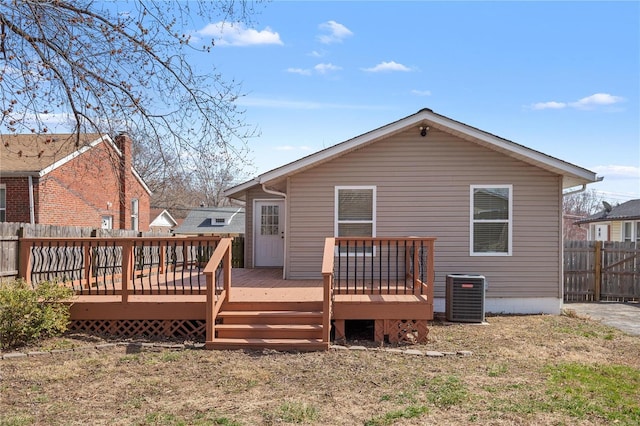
<point>465,298</point>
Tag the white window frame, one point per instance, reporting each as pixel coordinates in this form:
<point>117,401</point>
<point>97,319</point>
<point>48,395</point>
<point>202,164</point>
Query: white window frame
<point>473,221</point>
<point>637,233</point>
<point>373,220</point>
<point>3,187</point>
<point>135,209</point>
<point>632,232</point>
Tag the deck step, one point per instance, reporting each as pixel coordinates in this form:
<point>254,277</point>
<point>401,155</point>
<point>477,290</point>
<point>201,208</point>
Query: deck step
<point>269,325</point>
<point>273,306</point>
<point>277,344</point>
<point>270,317</point>
<point>269,331</point>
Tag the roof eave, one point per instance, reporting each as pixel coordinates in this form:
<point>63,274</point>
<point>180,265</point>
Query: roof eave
<point>33,173</point>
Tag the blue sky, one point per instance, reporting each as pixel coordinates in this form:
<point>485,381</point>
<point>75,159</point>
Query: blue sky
<point>558,77</point>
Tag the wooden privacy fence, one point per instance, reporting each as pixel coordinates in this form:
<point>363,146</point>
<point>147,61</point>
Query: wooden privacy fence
<point>597,270</point>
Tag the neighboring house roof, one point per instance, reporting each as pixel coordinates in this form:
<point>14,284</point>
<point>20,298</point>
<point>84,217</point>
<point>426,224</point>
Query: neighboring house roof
<point>37,155</point>
<point>162,218</point>
<point>625,211</point>
<point>213,220</point>
<point>572,175</point>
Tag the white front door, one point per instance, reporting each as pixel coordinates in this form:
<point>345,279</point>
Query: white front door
<point>601,233</point>
<point>269,233</point>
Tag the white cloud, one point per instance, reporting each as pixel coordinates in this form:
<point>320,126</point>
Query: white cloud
<point>549,105</point>
<point>589,102</point>
<point>325,68</point>
<point>387,67</point>
<point>319,69</point>
<point>316,54</point>
<point>236,34</point>
<point>597,100</point>
<point>421,92</point>
<point>300,71</point>
<point>630,172</point>
<point>336,32</point>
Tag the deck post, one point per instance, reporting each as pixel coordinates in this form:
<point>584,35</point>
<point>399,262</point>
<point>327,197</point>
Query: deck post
<point>211,293</point>
<point>88,270</point>
<point>431,270</point>
<point>226,261</point>
<point>416,267</point>
<point>327,274</point>
<point>162,252</point>
<point>127,268</point>
<point>25,261</point>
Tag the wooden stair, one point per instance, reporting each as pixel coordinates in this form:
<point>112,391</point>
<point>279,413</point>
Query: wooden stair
<point>284,326</point>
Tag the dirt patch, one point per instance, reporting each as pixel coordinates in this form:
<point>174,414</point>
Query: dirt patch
<point>509,379</point>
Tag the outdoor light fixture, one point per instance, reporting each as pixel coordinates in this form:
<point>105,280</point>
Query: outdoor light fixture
<point>424,130</point>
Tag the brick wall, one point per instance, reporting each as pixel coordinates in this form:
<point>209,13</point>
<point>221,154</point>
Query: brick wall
<point>18,198</point>
<point>80,193</point>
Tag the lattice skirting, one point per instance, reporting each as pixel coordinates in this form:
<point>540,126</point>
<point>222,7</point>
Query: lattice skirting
<point>189,329</point>
<point>402,331</point>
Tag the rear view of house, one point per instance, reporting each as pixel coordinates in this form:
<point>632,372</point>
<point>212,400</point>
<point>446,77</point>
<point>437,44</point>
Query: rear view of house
<point>60,180</point>
<point>494,207</point>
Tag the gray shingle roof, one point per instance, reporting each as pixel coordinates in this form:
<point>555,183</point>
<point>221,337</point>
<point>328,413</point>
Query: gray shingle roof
<point>213,220</point>
<point>625,211</point>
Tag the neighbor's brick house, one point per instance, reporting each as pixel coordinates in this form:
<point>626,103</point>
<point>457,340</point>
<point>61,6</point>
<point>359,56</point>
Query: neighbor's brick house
<point>60,180</point>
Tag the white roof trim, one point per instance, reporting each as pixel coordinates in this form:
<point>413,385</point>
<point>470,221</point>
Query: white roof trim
<point>425,116</point>
<point>167,215</point>
<point>87,147</point>
<point>77,153</point>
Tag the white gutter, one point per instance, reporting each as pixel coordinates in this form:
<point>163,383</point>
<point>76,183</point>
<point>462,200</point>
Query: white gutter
<point>32,217</point>
<point>283,195</point>
<point>584,187</point>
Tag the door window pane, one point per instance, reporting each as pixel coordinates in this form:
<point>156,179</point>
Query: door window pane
<point>269,220</point>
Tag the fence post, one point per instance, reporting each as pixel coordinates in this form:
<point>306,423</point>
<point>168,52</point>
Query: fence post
<point>598,271</point>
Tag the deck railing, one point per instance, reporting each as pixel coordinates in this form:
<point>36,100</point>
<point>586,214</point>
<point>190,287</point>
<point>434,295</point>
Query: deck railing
<point>220,261</point>
<point>385,265</point>
<point>119,266</point>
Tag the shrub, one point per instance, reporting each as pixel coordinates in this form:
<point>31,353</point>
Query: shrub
<point>27,314</point>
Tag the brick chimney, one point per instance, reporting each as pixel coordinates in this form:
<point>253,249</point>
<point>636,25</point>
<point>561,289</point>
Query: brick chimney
<point>124,143</point>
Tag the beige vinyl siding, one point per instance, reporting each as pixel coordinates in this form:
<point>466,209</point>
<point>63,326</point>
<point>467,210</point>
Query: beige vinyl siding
<point>422,189</point>
<point>615,233</point>
<point>255,193</point>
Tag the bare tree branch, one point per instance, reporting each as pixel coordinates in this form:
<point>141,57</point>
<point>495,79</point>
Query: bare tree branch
<point>114,66</point>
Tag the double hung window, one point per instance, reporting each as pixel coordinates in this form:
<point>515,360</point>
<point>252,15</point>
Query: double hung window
<point>491,220</point>
<point>355,215</point>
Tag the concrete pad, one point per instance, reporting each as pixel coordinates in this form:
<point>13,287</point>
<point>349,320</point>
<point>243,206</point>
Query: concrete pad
<point>623,316</point>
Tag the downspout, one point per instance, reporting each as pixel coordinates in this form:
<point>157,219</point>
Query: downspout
<point>284,196</point>
<point>32,217</point>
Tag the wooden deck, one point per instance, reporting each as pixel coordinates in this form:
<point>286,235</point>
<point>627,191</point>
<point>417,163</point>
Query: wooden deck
<point>167,287</point>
